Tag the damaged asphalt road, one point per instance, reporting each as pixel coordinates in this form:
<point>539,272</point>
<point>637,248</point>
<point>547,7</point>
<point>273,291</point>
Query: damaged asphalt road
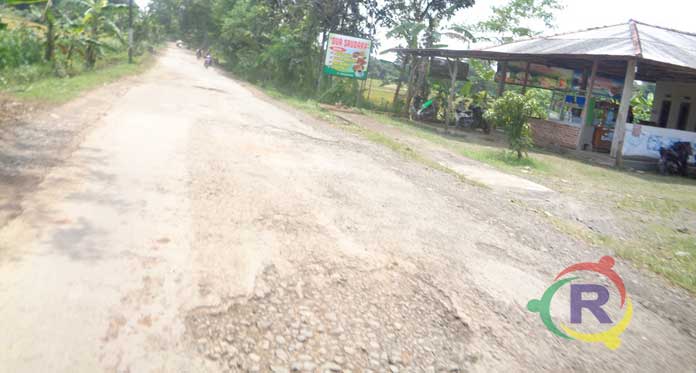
<point>189,229</point>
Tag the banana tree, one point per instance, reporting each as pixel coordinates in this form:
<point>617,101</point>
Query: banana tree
<point>410,33</point>
<point>48,17</point>
<point>97,21</point>
<point>70,38</point>
<point>461,32</point>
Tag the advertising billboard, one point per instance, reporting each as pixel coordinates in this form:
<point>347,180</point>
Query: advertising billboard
<point>347,56</point>
<point>540,76</point>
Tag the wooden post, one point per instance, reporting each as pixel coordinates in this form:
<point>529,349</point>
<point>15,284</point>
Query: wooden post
<point>586,109</point>
<point>526,78</point>
<point>357,92</point>
<point>620,128</point>
<point>450,100</point>
<point>503,75</point>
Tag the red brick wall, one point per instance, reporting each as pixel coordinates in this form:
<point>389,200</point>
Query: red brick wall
<point>547,134</point>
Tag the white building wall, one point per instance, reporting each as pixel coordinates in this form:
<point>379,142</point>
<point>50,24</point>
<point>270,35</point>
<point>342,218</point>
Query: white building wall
<point>676,93</point>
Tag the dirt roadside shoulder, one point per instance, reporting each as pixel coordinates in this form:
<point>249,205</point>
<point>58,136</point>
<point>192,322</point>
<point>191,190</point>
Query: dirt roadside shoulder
<point>35,138</point>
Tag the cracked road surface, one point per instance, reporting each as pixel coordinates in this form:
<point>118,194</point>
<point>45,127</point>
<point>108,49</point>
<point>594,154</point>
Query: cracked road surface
<point>192,224</point>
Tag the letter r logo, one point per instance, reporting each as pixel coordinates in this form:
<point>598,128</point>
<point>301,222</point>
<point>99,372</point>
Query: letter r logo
<point>577,303</point>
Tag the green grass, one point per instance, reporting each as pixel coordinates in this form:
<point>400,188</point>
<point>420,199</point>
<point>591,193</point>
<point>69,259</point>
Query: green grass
<point>658,248</point>
<point>379,94</point>
<point>56,90</point>
<point>665,251</point>
<point>650,209</point>
<point>490,154</point>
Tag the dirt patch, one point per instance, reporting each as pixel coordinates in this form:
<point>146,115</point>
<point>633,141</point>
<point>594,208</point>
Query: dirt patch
<point>12,110</point>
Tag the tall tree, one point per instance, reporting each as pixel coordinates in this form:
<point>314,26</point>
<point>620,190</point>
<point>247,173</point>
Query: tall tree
<point>97,21</point>
<point>516,19</point>
<point>430,13</point>
<point>47,17</point>
<point>409,33</point>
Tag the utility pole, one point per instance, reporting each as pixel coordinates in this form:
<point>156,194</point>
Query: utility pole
<point>130,31</point>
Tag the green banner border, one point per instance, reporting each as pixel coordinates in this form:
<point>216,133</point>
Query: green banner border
<point>343,74</point>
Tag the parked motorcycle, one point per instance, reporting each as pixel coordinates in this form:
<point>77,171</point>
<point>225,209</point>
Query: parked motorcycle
<point>472,119</point>
<point>480,121</point>
<point>426,111</point>
<point>674,160</point>
<point>464,118</point>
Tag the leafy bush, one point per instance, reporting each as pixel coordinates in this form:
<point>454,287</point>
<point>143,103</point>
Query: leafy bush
<point>20,46</point>
<point>542,98</point>
<point>642,106</point>
<point>440,94</point>
<point>341,91</point>
<point>512,112</point>
<point>25,74</point>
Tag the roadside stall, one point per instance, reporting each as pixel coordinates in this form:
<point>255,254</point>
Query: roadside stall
<point>591,74</point>
<point>568,104</point>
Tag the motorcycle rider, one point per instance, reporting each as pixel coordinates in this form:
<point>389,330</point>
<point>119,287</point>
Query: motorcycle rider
<point>208,60</point>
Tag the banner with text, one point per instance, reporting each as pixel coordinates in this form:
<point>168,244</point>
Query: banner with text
<point>347,56</point>
<point>540,76</point>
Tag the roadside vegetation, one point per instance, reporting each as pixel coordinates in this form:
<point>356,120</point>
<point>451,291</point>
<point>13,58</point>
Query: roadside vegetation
<point>55,89</point>
<point>279,44</point>
<point>50,51</point>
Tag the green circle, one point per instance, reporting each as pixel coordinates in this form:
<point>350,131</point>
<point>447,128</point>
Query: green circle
<point>543,307</point>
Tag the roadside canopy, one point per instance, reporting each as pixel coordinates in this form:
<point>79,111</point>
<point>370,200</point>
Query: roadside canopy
<point>631,51</point>
<point>661,53</point>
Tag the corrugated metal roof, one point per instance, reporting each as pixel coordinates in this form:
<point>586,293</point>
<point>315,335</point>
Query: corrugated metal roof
<point>607,41</point>
<point>667,46</point>
<point>632,39</point>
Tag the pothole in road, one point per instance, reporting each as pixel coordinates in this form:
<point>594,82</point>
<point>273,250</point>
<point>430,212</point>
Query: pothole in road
<point>328,320</point>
